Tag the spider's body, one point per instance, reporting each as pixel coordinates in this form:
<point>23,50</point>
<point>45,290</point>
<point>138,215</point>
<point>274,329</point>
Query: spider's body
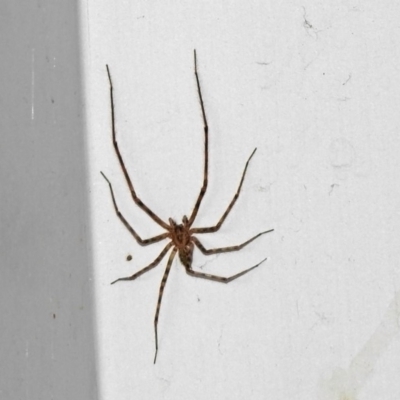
<point>182,239</point>
<point>182,236</point>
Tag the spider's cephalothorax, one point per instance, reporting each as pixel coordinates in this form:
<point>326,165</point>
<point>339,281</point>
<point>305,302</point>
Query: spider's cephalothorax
<point>182,239</point>
<point>180,232</point>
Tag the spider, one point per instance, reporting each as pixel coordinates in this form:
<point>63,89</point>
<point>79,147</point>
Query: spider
<point>181,235</point>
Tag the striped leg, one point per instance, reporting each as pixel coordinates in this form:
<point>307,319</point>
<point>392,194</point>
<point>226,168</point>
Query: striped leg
<point>205,175</point>
<point>225,249</point>
<point>135,198</point>
<point>142,242</point>
<point>218,278</point>
<point>149,267</point>
<point>160,295</point>
<point>216,227</point>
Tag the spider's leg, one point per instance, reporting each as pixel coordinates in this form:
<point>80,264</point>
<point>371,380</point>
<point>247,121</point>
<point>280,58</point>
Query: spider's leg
<point>149,267</point>
<point>228,210</point>
<point>136,199</point>
<point>218,278</point>
<point>225,249</point>
<point>142,242</point>
<point>160,295</point>
<point>205,178</point>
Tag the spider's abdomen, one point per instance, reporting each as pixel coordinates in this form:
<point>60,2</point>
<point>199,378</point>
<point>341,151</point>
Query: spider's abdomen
<point>185,255</point>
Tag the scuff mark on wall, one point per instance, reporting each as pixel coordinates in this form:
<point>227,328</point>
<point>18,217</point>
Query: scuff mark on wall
<point>27,396</point>
<point>33,85</point>
<point>347,384</point>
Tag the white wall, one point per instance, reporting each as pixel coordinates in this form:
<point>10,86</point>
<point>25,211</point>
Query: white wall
<point>316,88</point>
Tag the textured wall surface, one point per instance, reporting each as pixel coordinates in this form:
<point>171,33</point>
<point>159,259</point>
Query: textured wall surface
<point>315,87</point>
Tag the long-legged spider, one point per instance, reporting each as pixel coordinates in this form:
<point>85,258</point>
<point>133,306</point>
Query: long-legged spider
<point>182,239</point>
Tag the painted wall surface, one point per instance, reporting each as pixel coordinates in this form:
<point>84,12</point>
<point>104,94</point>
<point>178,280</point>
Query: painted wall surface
<point>47,337</point>
<point>316,88</point>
